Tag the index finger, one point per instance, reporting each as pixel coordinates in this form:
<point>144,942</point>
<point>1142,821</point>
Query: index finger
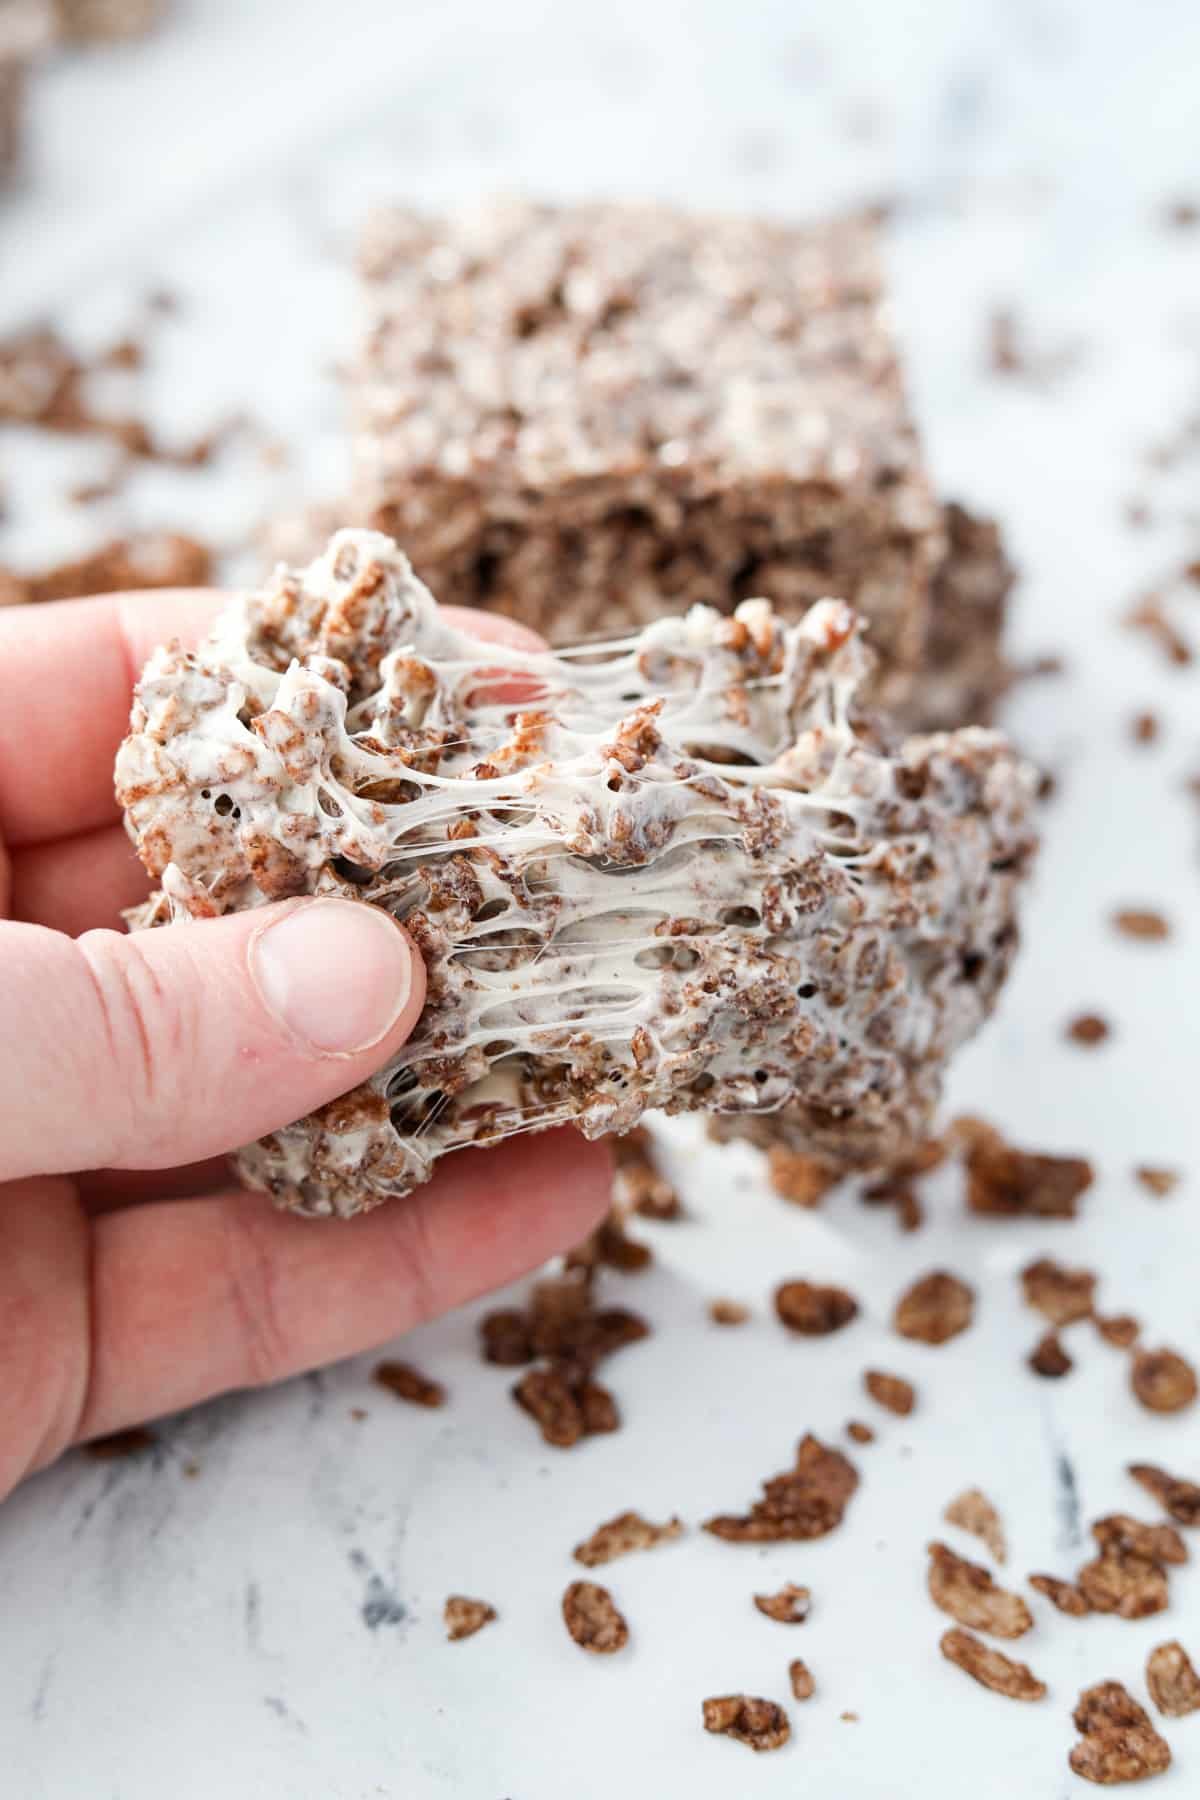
<point>67,673</point>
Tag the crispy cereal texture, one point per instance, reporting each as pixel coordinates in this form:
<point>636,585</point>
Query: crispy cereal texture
<point>991,1668</point>
<point>759,1724</point>
<point>1118,1742</point>
<point>687,874</point>
<point>593,1620</point>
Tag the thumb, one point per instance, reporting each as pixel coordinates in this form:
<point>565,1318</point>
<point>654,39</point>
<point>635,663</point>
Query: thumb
<point>175,1044</point>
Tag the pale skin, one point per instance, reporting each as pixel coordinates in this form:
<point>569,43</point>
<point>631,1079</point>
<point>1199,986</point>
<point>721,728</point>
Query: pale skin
<point>135,1277</point>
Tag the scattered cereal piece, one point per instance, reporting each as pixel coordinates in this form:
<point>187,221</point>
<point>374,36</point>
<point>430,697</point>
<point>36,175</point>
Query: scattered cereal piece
<point>790,1606</point>
<point>1006,1182</point>
<point>408,1383</point>
<point>991,1668</point>
<point>935,1309</point>
<point>1088,1029</point>
<point>1061,1295</point>
<point>859,1433</point>
<point>1161,1543</point>
<point>1159,1182</point>
<point>972,1511</point>
<point>760,1724</point>
<point>967,1592</point>
<point>804,1180</point>
<point>806,1501</point>
<point>638,1179</point>
<point>1118,1742</point>
<point>567,1406</point>
<point>728,1312</point>
<point>891,1391</point>
<point>593,1620</point>
<point>1144,727</point>
<point>1129,1577</point>
<point>1172,1679</point>
<point>1048,1358</point>
<point>814,1311</point>
<point>617,1537</point>
<point>1121,1330</point>
<point>1180,1497</point>
<point>465,1617</point>
<point>1141,922</point>
<point>800,1676</point>
<point>1163,1380</point>
<point>1062,1594</point>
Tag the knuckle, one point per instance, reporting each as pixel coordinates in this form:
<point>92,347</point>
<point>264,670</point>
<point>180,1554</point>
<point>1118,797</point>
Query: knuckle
<point>144,1029</point>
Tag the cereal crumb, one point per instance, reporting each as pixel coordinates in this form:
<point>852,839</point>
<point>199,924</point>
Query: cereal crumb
<point>806,1501</point>
<point>972,1511</point>
<point>859,1433</point>
<point>638,1181</point>
<point>1172,1679</point>
<point>465,1617</point>
<point>1062,1594</point>
<point>812,1310</point>
<point>1061,1295</point>
<point>790,1606</point>
<point>800,1676</point>
<point>1118,1741</point>
<point>891,1391</point>
<point>991,1668</point>
<point>1048,1357</point>
<point>760,1724</point>
<point>1121,1330</point>
<point>728,1312</point>
<point>1088,1029</point>
<point>804,1180</point>
<point>567,1405</point>
<point>617,1537</point>
<point>592,1618</point>
<point>935,1308</point>
<point>409,1384</point>
<point>967,1592</point>
<point>1005,1182</point>
<point>1181,1498</point>
<point>1159,1182</point>
<point>1144,727</point>
<point>1142,922</point>
<point>1163,1381</point>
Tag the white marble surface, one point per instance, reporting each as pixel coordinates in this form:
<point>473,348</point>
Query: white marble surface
<point>270,1625</point>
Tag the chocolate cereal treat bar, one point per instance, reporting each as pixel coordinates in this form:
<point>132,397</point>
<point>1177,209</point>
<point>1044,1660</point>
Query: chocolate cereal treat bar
<point>587,416</point>
<point>682,871</point>
<point>963,669</point>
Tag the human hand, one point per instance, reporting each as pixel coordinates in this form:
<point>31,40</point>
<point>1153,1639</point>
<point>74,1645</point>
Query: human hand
<point>149,1282</point>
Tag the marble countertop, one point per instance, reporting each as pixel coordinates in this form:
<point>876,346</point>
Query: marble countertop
<point>254,1608</point>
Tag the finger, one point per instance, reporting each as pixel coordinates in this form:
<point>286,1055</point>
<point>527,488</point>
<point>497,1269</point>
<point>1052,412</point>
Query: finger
<point>193,1299</point>
<point>69,669</point>
<point>72,665</point>
<point>78,884</point>
<point>167,1046</point>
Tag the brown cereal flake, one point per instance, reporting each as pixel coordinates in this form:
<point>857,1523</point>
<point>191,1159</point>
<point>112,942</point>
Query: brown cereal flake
<point>1172,1679</point>
<point>1062,1594</point>
<point>1059,1294</point>
<point>806,1501</point>
<point>1181,1498</point>
<point>1005,1182</point>
<point>408,1383</point>
<point>617,1537</point>
<point>611,1247</point>
<point>859,1433</point>
<point>790,1606</point>
<point>760,1724</point>
<point>801,1678</point>
<point>1088,1029</point>
<point>1159,1543</point>
<point>1118,1743</point>
<point>1159,1182</point>
<point>1151,616</point>
<point>567,1405</point>
<point>506,1338</point>
<point>1049,1359</point>
<point>972,1511</point>
<point>890,1391</point>
<point>465,1617</point>
<point>967,1592</point>
<point>728,1312</point>
<point>1121,1330</point>
<point>1144,727</point>
<point>935,1308</point>
<point>1143,923</point>
<point>1163,1381</point>
<point>593,1619</point>
<point>638,1181</point>
<point>1123,1582</point>
<point>804,1180</point>
<point>990,1668</point>
<point>811,1310</point>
